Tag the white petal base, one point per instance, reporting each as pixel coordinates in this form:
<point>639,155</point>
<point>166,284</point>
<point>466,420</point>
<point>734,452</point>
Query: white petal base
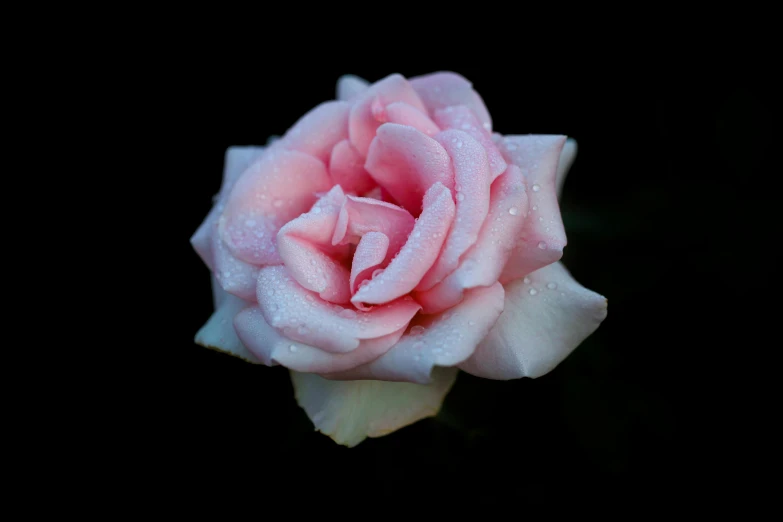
<point>350,411</point>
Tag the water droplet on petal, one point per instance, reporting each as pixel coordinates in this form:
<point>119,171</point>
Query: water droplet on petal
<point>526,280</point>
<point>348,314</point>
<point>551,286</point>
<point>542,245</point>
<point>533,291</point>
<point>309,297</point>
<point>513,211</point>
<point>536,187</point>
<point>471,323</point>
<point>292,348</point>
<point>317,210</point>
<point>535,207</point>
<point>417,330</point>
<point>278,203</point>
<point>460,196</point>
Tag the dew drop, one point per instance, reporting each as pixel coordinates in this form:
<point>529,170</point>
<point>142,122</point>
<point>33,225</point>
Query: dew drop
<point>317,210</point>
<point>526,280</point>
<point>278,203</point>
<point>536,187</point>
<point>551,286</point>
<point>460,196</point>
<point>292,348</point>
<point>542,245</point>
<point>513,211</point>
<point>348,314</point>
<point>471,323</point>
<point>417,330</point>
<point>535,207</point>
<point>533,291</point>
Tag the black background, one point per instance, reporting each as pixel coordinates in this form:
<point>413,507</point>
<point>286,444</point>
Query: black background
<point>670,170</point>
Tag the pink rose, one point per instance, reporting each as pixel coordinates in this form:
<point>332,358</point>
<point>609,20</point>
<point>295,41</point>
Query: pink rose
<point>387,240</point>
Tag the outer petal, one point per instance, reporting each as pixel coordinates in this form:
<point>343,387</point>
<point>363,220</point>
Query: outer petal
<point>406,163</point>
<point>447,340</point>
<point>472,180</point>
<point>350,411</point>
<point>237,159</point>
<point>318,131</point>
<point>305,246</point>
<point>234,275</point>
<point>546,316</point>
<point>567,157</point>
<point>443,89</point>
<point>302,316</point>
<point>272,348</point>
<point>543,237</point>
<point>462,118</point>
<point>275,189</point>
<point>483,263</point>
<point>419,253</point>
<point>362,123</point>
<point>350,87</point>
<point>218,333</point>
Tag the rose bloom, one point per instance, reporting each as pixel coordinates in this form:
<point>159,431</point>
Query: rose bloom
<point>386,241</point>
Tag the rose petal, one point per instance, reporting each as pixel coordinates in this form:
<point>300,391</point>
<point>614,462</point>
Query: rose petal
<point>271,348</point>
<point>543,237</point>
<point>369,256</point>
<point>484,262</point>
<point>567,157</point>
<point>472,177</point>
<point>443,89</point>
<point>318,131</point>
<point>234,275</point>
<point>462,118</point>
<point>404,114</point>
<point>360,216</point>
<point>350,411</point>
<point>305,246</point>
<point>275,189</point>
<point>419,253</point>
<point>237,159</point>
<point>546,315</point>
<point>447,340</point>
<point>350,87</point>
<point>346,166</point>
<point>406,163</point>
<point>302,316</point>
<point>362,124</point>
<point>218,333</point>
